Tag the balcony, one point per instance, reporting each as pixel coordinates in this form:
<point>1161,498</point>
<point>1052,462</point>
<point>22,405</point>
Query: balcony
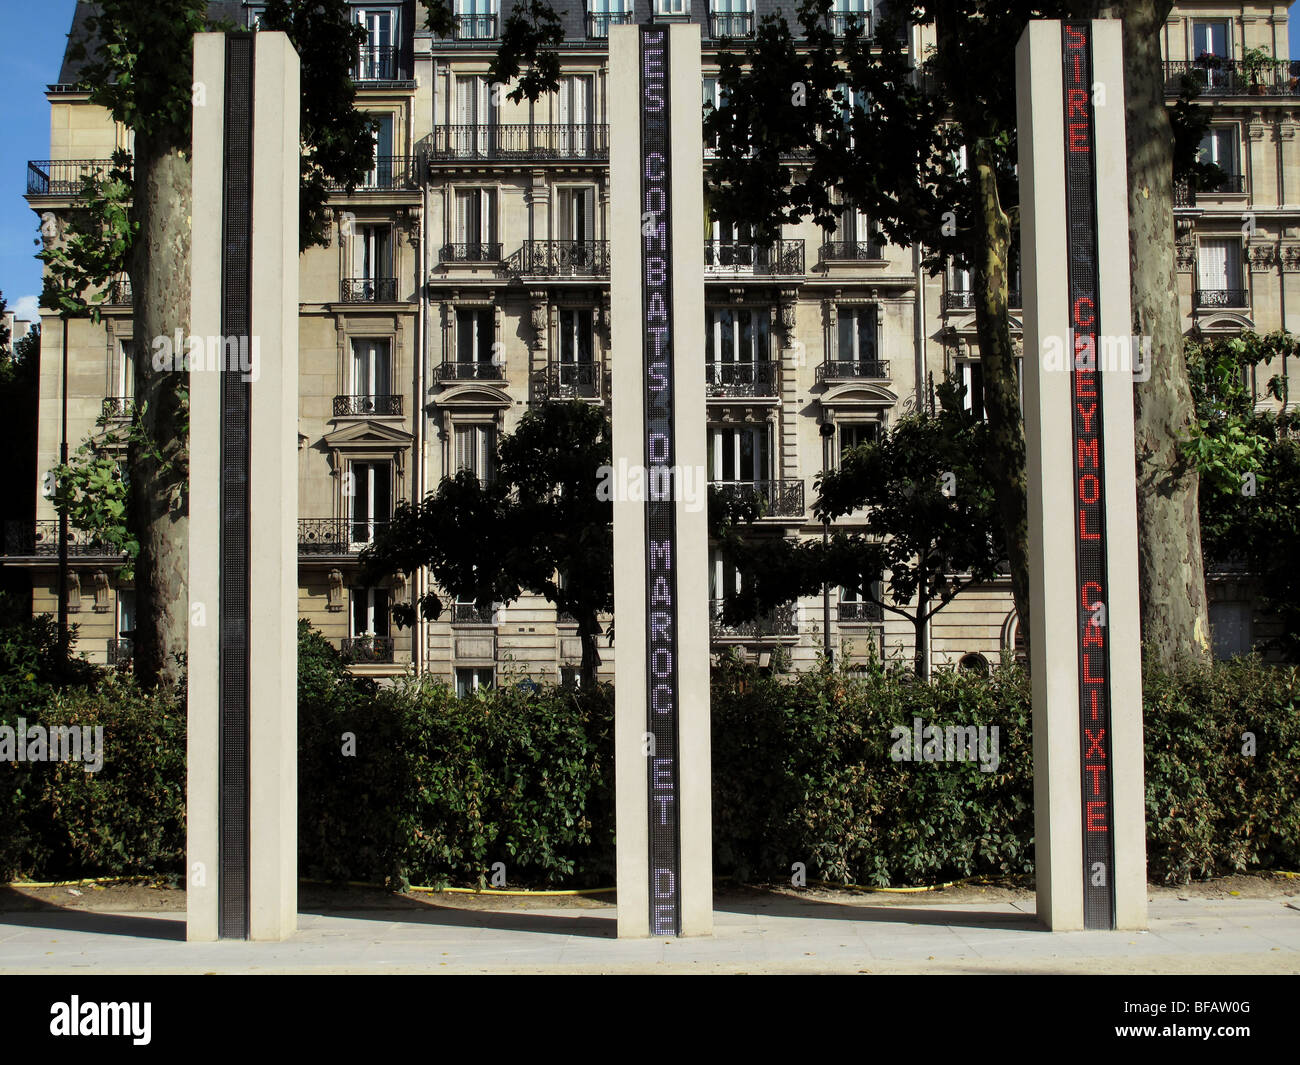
<point>389,172</point>
<point>726,379</point>
<point>964,300</point>
<point>118,408</point>
<point>774,499</point>
<point>118,292</point>
<point>519,142</point>
<point>1184,195</point>
<point>363,406</point>
<point>380,63</point>
<point>1228,77</point>
<point>1215,298</point>
<point>561,258</point>
<point>335,536</point>
<point>362,650</point>
<point>850,251</point>
<point>40,539</point>
<point>1228,184</point>
<point>839,22</point>
<point>469,371</point>
<point>470,253</point>
<point>368,290</point>
<point>777,622</point>
<point>731,25</point>
<point>598,24</point>
<point>120,652</point>
<point>469,614</point>
<point>853,370</point>
<point>64,177</point>
<point>781,259</point>
<point>573,380</point>
<point>861,611</point>
<point>476,27</point>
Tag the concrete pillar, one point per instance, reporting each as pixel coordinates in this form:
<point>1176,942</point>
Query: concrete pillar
<point>1084,630</point>
<point>242,774</point>
<point>665,873</point>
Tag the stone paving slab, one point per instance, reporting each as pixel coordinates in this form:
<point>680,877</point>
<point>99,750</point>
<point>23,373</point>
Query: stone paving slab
<point>1195,936</point>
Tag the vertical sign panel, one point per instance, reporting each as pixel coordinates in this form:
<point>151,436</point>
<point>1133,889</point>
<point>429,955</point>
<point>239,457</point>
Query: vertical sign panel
<point>661,523</point>
<point>1089,475</point>
<point>236,301</point>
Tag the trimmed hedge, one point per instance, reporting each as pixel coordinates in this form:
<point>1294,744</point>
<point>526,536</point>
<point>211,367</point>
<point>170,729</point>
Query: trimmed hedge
<point>410,784</point>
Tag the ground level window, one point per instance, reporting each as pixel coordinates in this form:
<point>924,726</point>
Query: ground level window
<point>470,680</point>
<point>570,677</point>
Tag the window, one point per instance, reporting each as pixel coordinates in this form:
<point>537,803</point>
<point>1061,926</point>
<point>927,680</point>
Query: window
<point>672,7</point>
<point>570,677</point>
<point>970,373</point>
<point>1231,629</point>
<point>729,245</point>
<point>851,226</point>
<point>845,11</point>
<point>573,113</point>
<point>371,484</point>
<point>601,14</point>
<point>714,97</point>
<point>124,377</point>
<point>476,224</point>
<point>369,613</point>
<point>1211,40</point>
<point>739,455</point>
<point>470,680</point>
<point>861,602</point>
<point>724,578</point>
<point>476,19</point>
<point>475,335</point>
<point>372,252</point>
<point>466,610</point>
<point>851,100</point>
<point>856,334</point>
<point>475,450</point>
<point>125,614</point>
<point>476,115</point>
<point>577,215</point>
<point>371,369</point>
<point>736,334</point>
<point>855,434</point>
<point>732,18</point>
<point>1219,146</point>
<point>382,173</point>
<point>1218,273</point>
<point>255,16</point>
<point>379,53</point>
<point>575,338</point>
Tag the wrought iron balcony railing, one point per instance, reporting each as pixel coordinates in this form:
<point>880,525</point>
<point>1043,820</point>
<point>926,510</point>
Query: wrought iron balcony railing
<point>778,622</point>
<point>366,649</point>
<point>476,27</point>
<point>850,251</point>
<point>519,142</point>
<point>1206,298</point>
<point>63,177</point>
<point>120,652</point>
<point>783,258</point>
<point>380,63</point>
<point>598,23</point>
<point>574,380</point>
<point>841,20</point>
<point>29,539</point>
<point>1215,76</point>
<point>474,252</point>
<point>861,610</point>
<point>389,172</point>
<point>964,300</point>
<point>469,371</point>
<point>359,406</point>
<point>731,25</point>
<point>1229,183</point>
<point>469,614</point>
<point>1184,194</point>
<point>335,536</point>
<point>853,369</point>
<point>775,499</point>
<point>119,292</point>
<point>740,378</point>
<point>369,290</point>
<point>118,407</point>
<point>561,258</point>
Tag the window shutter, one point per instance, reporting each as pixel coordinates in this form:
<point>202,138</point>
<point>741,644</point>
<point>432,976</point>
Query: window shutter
<point>464,448</point>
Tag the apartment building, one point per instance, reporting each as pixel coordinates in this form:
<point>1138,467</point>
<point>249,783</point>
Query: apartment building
<point>468,279</point>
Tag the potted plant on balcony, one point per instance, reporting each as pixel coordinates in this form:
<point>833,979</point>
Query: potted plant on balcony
<point>1254,61</point>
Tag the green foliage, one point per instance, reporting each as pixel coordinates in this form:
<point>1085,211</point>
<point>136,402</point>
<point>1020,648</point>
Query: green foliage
<point>539,525</point>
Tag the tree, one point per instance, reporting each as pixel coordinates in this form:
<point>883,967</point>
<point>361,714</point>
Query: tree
<point>539,524</point>
<point>20,368</point>
<point>137,220</point>
<point>1249,467</point>
<point>930,526</point>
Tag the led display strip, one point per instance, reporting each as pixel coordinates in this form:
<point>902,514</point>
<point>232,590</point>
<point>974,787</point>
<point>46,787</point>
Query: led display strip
<point>1089,476</point>
<point>662,696</point>
<point>236,300</point>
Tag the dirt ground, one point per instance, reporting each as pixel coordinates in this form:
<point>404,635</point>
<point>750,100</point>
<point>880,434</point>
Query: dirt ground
<point>128,897</point>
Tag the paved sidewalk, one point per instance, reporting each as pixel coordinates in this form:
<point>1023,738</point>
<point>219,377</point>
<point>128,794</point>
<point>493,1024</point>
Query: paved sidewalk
<point>784,935</point>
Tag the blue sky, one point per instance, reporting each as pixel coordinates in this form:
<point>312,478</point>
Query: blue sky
<point>37,33</point>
